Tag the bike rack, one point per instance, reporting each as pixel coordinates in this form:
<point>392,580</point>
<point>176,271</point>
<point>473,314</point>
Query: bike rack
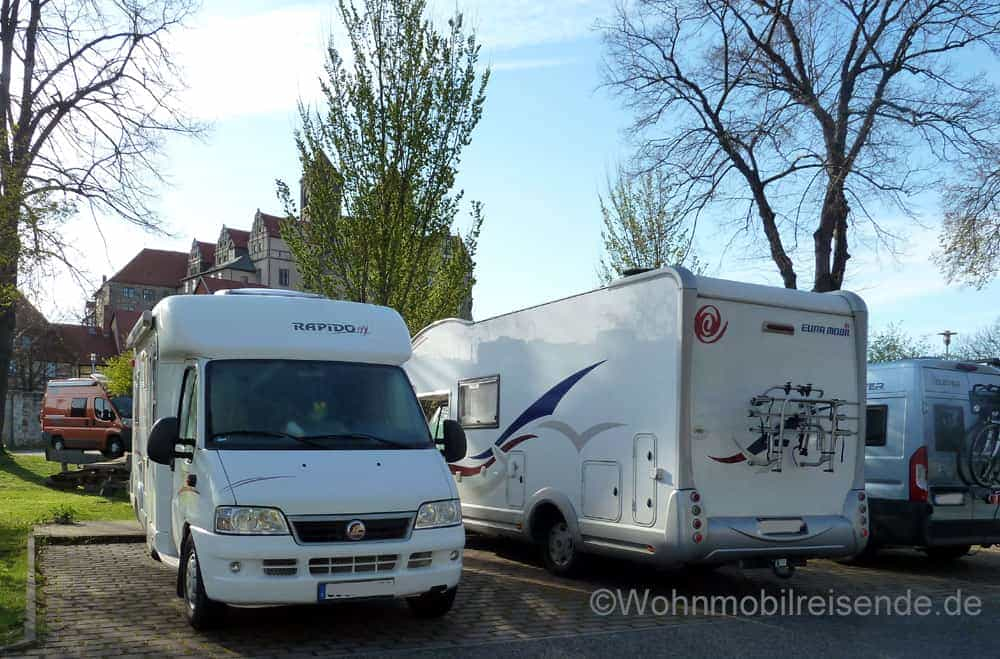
<point>981,450</point>
<point>804,415</point>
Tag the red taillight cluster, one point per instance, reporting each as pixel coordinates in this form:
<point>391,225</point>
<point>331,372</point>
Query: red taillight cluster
<point>696,522</point>
<point>918,475</point>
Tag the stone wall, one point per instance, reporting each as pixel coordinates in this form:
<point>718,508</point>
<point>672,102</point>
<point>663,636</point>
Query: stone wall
<point>21,428</point>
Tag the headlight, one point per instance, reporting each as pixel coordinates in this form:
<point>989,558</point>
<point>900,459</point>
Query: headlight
<point>439,513</point>
<point>243,520</point>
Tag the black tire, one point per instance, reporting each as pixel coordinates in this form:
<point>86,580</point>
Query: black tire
<point>559,551</point>
<point>947,554</point>
<point>115,448</point>
<point>202,613</point>
<point>432,605</point>
<point>58,444</point>
<point>866,555</point>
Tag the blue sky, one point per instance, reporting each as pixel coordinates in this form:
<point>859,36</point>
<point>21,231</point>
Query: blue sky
<point>538,160</point>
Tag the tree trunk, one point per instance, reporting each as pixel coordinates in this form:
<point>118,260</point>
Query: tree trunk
<point>8,319</point>
<point>778,254</point>
<point>830,240</point>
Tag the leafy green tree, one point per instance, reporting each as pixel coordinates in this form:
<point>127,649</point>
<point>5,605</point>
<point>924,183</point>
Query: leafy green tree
<point>374,222</point>
<point>118,371</point>
<point>894,343</point>
<point>641,229</point>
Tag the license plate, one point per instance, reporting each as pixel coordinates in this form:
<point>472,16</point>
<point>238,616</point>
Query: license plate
<point>353,589</point>
<point>779,526</point>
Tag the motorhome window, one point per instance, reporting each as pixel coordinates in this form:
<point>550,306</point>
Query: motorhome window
<point>876,423</point>
<point>479,402</point>
<point>78,407</point>
<point>436,423</point>
<point>189,406</point>
<point>949,427</point>
<point>309,405</point>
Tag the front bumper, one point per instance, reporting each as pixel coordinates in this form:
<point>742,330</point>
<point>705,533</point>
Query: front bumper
<point>731,539</point>
<point>253,585</point>
<point>912,524</point>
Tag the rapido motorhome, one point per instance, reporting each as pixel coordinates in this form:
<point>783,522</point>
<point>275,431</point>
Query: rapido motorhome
<point>280,455</point>
<point>666,417</point>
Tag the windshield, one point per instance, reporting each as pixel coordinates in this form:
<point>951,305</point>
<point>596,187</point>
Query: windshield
<point>289,404</point>
<point>124,406</point>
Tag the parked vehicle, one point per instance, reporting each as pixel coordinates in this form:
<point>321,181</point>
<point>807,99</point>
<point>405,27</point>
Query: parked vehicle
<point>933,455</point>
<point>668,417</point>
<point>78,413</point>
<point>281,456</point>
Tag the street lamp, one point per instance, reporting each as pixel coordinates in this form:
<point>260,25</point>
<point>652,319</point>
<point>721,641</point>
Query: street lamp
<point>947,334</point>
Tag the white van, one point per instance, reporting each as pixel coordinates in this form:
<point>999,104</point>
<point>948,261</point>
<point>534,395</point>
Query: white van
<point>666,417</point>
<point>280,455</point>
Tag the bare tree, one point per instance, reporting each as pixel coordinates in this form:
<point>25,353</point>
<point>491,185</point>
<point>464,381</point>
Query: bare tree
<point>981,345</point>
<point>970,236</point>
<point>88,91</point>
<point>809,113</point>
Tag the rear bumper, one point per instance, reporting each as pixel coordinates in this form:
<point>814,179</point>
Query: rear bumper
<point>252,586</point>
<point>730,539</point>
<point>912,524</point>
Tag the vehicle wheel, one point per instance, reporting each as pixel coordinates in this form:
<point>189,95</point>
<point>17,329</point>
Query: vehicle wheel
<point>432,605</point>
<point>58,444</point>
<point>115,448</point>
<point>866,555</point>
<point>202,613</point>
<point>559,549</point>
<point>945,554</point>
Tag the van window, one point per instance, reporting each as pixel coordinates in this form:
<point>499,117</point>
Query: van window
<point>479,402</point>
<point>949,427</point>
<point>188,422</point>
<point>876,424</point>
<point>290,404</point>
<point>78,407</point>
<point>100,407</point>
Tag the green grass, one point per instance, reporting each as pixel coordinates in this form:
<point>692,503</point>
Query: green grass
<point>25,500</point>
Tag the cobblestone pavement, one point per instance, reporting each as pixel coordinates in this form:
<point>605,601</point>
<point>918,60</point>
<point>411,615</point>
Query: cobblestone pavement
<point>112,600</point>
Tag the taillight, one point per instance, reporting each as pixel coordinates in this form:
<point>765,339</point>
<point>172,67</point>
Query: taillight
<point>918,475</point>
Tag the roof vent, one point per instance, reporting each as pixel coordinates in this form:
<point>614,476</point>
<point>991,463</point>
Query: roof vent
<point>269,292</point>
<point>631,272</point>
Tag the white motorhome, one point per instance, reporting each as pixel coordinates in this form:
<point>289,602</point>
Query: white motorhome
<point>666,417</point>
<point>280,455</point>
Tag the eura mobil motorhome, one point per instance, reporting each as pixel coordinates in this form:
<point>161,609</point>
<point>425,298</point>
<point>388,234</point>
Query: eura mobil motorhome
<point>280,455</point>
<point>667,417</point>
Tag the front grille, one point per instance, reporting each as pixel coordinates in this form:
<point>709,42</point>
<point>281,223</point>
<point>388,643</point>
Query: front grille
<point>353,564</point>
<point>419,559</point>
<point>280,567</point>
<point>335,530</point>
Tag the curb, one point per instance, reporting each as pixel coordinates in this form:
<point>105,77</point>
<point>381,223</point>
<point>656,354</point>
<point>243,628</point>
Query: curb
<point>30,605</point>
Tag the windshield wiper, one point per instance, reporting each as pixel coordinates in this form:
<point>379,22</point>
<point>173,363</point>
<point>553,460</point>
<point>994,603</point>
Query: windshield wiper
<point>271,433</point>
<point>359,435</point>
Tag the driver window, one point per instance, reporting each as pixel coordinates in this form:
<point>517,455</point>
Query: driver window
<point>189,406</point>
<point>436,411</point>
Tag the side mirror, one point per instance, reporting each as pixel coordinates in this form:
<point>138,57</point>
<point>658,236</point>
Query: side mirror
<point>161,447</point>
<point>454,441</point>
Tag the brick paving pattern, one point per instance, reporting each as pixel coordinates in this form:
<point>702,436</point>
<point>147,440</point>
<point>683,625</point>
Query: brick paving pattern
<point>112,600</point>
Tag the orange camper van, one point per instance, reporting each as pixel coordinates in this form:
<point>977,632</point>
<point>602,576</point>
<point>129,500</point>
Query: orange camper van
<point>78,413</point>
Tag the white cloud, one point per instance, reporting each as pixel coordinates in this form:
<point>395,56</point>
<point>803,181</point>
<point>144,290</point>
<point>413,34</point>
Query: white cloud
<point>255,63</point>
<point>265,62</point>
